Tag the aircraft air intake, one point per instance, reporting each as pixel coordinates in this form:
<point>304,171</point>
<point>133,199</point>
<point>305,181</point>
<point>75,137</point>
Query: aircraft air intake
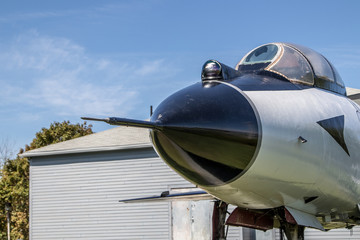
<point>208,134</point>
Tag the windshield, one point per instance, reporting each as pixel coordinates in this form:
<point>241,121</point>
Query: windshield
<point>263,54</point>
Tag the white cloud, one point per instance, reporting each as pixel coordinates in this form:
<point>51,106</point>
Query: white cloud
<point>57,76</point>
<point>151,67</point>
<point>30,15</point>
<point>35,52</point>
<point>92,10</point>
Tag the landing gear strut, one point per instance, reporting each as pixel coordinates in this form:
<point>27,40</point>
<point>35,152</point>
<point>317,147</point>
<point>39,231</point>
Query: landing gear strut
<point>256,219</point>
<point>293,232</point>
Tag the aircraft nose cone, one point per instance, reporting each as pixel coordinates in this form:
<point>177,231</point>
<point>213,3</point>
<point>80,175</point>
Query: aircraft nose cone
<point>208,134</point>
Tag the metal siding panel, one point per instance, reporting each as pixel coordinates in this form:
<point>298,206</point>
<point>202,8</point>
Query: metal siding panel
<point>277,234</point>
<point>76,196</point>
<point>30,199</point>
<point>234,233</point>
<point>336,234</point>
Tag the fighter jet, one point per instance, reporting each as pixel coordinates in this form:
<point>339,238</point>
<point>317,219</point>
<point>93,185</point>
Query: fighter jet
<point>276,136</point>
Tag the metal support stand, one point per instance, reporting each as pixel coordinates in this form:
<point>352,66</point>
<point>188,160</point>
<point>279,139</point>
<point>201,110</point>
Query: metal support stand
<point>218,220</point>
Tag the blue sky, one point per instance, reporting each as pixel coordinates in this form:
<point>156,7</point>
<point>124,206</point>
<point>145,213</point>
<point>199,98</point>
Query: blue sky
<point>60,60</point>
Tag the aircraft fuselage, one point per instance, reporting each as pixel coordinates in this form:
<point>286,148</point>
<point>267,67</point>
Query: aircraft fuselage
<point>276,136</point>
<point>307,142</point>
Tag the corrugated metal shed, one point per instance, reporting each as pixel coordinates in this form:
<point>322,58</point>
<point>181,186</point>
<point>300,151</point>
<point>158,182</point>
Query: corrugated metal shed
<point>77,196</point>
<point>75,187</point>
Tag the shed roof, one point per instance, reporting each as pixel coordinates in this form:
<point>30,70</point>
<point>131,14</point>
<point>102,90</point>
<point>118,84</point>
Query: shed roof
<point>353,94</point>
<point>113,139</point>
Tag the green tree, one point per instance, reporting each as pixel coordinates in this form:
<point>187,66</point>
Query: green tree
<point>59,132</point>
<point>14,182</point>
<point>14,189</point>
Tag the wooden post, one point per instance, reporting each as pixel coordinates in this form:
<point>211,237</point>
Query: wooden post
<point>8,218</point>
<point>8,224</point>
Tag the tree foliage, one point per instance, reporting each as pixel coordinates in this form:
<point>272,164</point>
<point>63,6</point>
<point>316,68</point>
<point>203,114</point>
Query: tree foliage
<point>14,189</point>
<point>14,182</point>
<point>59,132</point>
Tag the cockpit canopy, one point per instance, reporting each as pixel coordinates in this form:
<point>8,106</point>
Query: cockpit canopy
<point>294,63</point>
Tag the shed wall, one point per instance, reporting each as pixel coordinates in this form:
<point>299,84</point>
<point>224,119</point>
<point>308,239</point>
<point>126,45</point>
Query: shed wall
<point>335,234</point>
<point>76,196</point>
